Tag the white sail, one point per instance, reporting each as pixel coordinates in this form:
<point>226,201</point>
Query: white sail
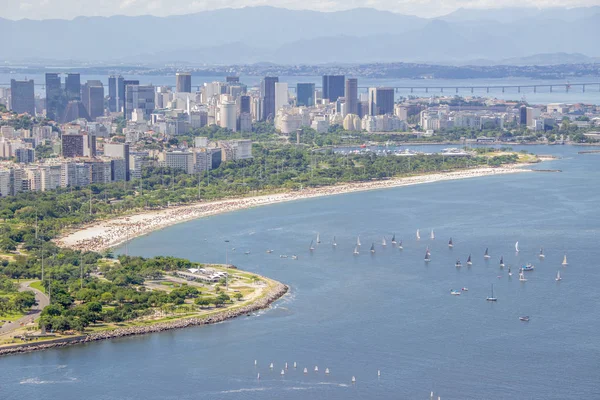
<point>334,242</point>
<point>517,247</point>
<point>558,278</point>
<point>358,240</point>
<point>318,238</point>
<point>418,235</point>
<point>356,250</point>
<point>432,235</point>
<point>384,242</point>
<point>565,260</point>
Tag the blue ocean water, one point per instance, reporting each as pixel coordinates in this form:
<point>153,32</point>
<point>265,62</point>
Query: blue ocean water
<point>385,311</point>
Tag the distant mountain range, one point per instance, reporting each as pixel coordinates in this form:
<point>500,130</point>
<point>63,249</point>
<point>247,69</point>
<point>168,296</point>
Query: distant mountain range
<point>282,36</point>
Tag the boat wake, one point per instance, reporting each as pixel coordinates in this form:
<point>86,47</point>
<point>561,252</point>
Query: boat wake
<point>243,390</point>
<point>38,381</point>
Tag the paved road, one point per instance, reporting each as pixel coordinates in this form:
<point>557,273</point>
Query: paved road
<point>32,315</point>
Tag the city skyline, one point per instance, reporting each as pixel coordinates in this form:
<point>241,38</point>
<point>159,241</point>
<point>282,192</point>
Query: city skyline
<point>69,9</point>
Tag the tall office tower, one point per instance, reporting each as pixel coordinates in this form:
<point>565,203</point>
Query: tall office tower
<point>232,79</point>
<point>228,115</point>
<point>73,87</point>
<point>352,96</point>
<point>305,94</point>
<point>22,97</point>
<point>333,87</point>
<point>118,150</point>
<point>183,82</point>
<point>381,101</point>
<point>116,93</point>
<point>73,111</point>
<point>281,95</point>
<point>244,104</point>
<point>126,83</point>
<point>92,97</point>
<point>55,99</point>
<point>72,145</point>
<point>268,95</point>
<point>139,96</point>
<point>523,115</point>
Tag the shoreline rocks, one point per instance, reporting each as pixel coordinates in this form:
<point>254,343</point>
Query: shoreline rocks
<point>275,294</point>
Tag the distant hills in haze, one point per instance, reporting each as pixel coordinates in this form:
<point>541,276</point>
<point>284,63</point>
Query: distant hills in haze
<point>282,36</point>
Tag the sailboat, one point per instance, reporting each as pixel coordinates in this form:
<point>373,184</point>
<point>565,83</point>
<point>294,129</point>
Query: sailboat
<point>373,248</point>
<point>517,246</point>
<point>469,262</point>
<point>358,240</point>
<point>501,262</point>
<point>418,235</point>
<point>432,235</point>
<point>394,238</point>
<point>558,278</point>
<point>427,255</point>
<point>486,255</point>
<point>334,242</point>
<point>400,245</point>
<point>458,264</point>
<point>356,251</point>
<point>522,276</point>
<point>509,272</point>
<point>492,298</point>
<point>450,244</point>
<point>312,247</point>
<point>542,253</point>
<point>384,242</point>
<point>318,238</point>
<point>565,261</point>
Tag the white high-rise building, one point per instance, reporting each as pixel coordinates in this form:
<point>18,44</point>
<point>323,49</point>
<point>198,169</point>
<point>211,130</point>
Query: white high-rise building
<point>228,115</point>
<point>281,95</point>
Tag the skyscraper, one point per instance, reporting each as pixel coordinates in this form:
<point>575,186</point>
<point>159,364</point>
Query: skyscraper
<point>93,98</point>
<point>126,83</point>
<point>381,101</point>
<point>183,82</point>
<point>333,87</point>
<point>305,94</point>
<point>22,97</point>
<point>139,96</point>
<point>352,96</point>
<point>244,104</point>
<point>73,87</point>
<point>281,95</point>
<point>55,99</point>
<point>116,93</point>
<point>268,95</point>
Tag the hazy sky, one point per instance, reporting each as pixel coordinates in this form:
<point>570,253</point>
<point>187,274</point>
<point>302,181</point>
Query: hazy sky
<point>43,9</point>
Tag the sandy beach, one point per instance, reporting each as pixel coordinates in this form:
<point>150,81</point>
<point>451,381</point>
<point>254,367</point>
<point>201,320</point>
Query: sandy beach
<point>110,233</point>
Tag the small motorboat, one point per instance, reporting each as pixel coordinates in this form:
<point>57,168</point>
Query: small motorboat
<point>525,318</point>
<point>458,264</point>
<point>294,257</point>
<point>269,251</point>
<point>465,289</point>
<point>528,267</point>
<point>454,292</point>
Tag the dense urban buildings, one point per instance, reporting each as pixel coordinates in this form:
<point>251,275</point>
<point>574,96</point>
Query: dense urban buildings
<point>116,91</point>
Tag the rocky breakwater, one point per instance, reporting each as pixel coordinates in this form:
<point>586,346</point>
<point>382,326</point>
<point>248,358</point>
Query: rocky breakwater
<point>274,294</point>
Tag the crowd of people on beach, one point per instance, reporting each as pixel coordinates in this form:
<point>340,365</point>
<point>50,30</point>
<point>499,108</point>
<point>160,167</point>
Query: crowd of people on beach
<point>107,234</point>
